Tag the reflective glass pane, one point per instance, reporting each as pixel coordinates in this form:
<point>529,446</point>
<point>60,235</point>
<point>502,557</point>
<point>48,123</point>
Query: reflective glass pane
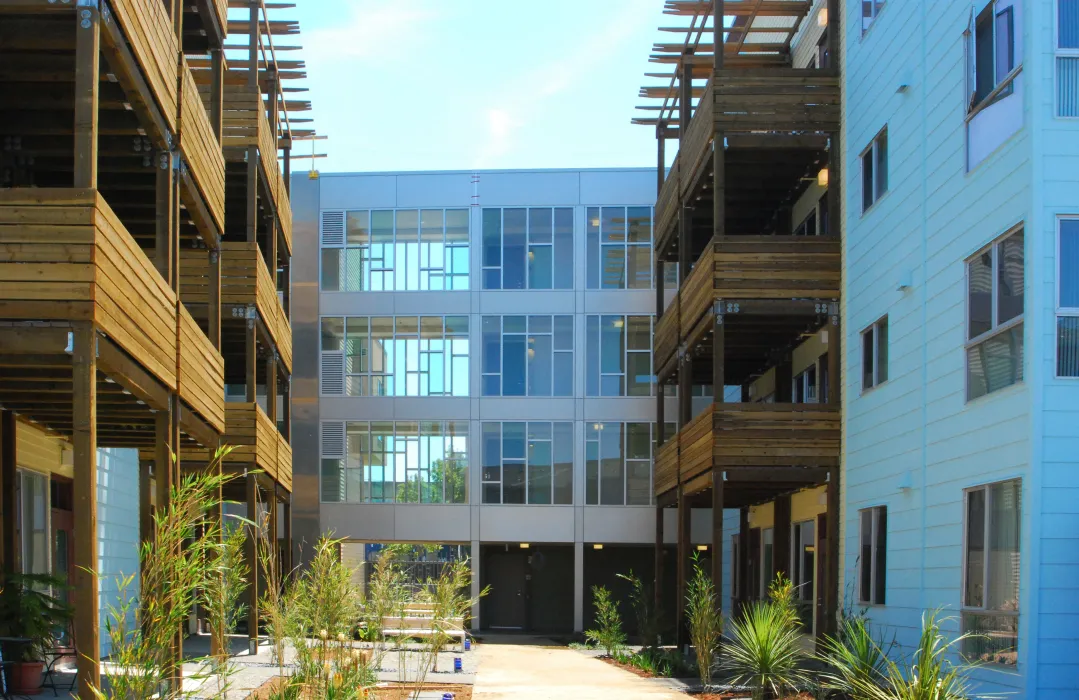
<point>638,374</point>
<point>1010,277</point>
<point>614,267</point>
<point>974,596</point>
<point>539,365</point>
<point>563,374</point>
<point>540,267</point>
<point>638,483</point>
<point>513,440</point>
<point>613,344</point>
<point>639,333</point>
<point>514,248</point>
<point>331,269</point>
<point>1068,346</point>
<point>540,229</point>
<point>457,226</point>
<point>513,482</point>
<point>640,224</point>
<point>492,344</point>
<point>638,440</point>
<point>1069,256</point>
<point>382,226</point>
<point>980,294</point>
<point>612,465</point>
<point>995,363</point>
<point>639,267</point>
<point>563,463</point>
<point>492,238</point>
<point>333,334</point>
<point>514,365</point>
<point>613,225</point>
<point>358,227</point>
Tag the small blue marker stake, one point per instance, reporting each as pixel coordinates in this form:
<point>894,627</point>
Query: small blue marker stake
<point>457,664</point>
<point>468,644</point>
<point>447,696</point>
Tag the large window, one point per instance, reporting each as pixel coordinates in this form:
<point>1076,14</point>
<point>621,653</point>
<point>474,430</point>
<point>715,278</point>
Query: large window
<point>528,355</point>
<point>619,361</point>
<point>1067,58</point>
<point>873,555</point>
<point>528,248</point>
<point>870,10</point>
<point>528,463</point>
<point>1068,299</point>
<point>991,565</point>
<point>619,244</point>
<point>875,354</point>
<point>875,170</point>
<point>618,463</point>
<point>991,55</point>
<point>395,356</point>
<point>995,280</point>
<point>402,462</point>
<point>33,519</point>
<point>399,250</point>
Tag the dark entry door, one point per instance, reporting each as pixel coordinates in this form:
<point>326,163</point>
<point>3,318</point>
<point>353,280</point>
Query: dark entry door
<point>508,600</point>
<point>822,572</point>
<point>63,540</point>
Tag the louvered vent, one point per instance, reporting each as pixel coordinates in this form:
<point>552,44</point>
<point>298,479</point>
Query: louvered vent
<point>333,374</point>
<point>333,439</point>
<point>333,228</point>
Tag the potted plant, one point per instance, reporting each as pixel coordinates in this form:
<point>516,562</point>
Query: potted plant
<point>29,611</point>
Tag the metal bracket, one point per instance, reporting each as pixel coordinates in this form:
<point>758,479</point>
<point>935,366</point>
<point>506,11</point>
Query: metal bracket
<point>250,312</point>
<point>214,257</point>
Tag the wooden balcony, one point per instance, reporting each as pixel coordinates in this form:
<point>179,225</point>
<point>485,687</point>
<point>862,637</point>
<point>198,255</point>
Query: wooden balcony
<point>200,148</point>
<point>201,376</point>
<point>773,438</point>
<point>256,441</point>
<point>245,281</point>
<point>149,32</point>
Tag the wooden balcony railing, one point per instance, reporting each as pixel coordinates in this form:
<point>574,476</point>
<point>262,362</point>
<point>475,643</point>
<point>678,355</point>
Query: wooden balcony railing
<point>256,440</point>
<point>64,256</point>
<point>149,31</point>
<point>284,462</point>
<point>201,372</point>
<point>200,148</point>
<point>695,445</point>
<point>666,341</point>
<point>777,267</point>
<point>776,99</point>
<point>776,434</point>
<point>697,293</point>
<point>245,281</point>
<point>695,151</point>
<point>221,9</point>
<point>665,477</point>
<point>667,205</point>
<point>275,182</point>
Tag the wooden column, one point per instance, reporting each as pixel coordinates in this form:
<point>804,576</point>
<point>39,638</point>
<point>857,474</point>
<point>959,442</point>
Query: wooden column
<point>717,33</point>
<point>661,155</point>
<point>146,506</point>
<point>164,210</point>
<point>252,556</point>
<point>286,163</point>
<point>685,390</point>
<point>87,94</point>
<point>251,193</point>
<point>10,502</point>
<point>272,238</point>
<point>287,537</point>
<point>164,453</point>
<point>717,533</point>
<point>217,92</point>
<point>657,569</point>
<point>85,565</point>
<point>275,547</point>
<point>835,361</point>
<point>781,536</point>
<point>719,186</point>
<point>659,386</point>
<point>743,557</point>
<point>213,299</point>
<point>719,346</point>
<point>271,386</point>
<point>251,358</point>
<point>835,11</point>
<point>835,185</point>
<point>831,592</point>
<point>684,548</point>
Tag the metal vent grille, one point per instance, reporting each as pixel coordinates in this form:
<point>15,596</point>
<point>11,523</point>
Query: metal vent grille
<point>333,374</point>
<point>333,228</point>
<point>333,439</point>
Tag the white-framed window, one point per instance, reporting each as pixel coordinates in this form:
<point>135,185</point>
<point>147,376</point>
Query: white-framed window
<point>1068,297</point>
<point>618,241</point>
<point>991,571</point>
<point>1067,58</point>
<point>804,569</point>
<point>394,356</point>
<point>388,250</point>
<point>528,462</point>
<point>991,55</point>
<point>875,170</point>
<point>805,386</point>
<point>870,10</point>
<point>995,292</point>
<point>394,462</point>
<point>873,555</point>
<point>875,354</point>
<point>619,355</point>
<point>618,463</point>
<point>528,248</point>
<point>33,521</point>
<point>768,540</point>
<point>527,355</point>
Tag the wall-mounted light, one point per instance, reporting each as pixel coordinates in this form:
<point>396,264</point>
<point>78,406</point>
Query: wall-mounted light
<point>822,17</point>
<point>702,548</point>
<point>597,546</point>
<point>822,177</point>
<point>618,323</point>
<point>524,545</point>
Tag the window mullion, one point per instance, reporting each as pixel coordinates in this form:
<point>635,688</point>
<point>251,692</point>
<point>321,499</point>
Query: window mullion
<point>985,547</point>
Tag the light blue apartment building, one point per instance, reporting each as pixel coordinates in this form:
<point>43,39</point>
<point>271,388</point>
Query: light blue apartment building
<point>961,281</point>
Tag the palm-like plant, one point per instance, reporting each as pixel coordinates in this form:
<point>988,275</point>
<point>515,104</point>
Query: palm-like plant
<point>855,659</point>
<point>763,651</point>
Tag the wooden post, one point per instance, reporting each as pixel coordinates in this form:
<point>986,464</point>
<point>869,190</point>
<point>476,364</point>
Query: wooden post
<point>87,94</point>
<point>271,386</point>
<point>743,557</point>
<point>84,409</point>
<point>252,193</point>
<point>213,299</point>
<point>835,185</point>
<point>719,186</point>
<point>659,386</point>
<point>682,559</point>
<point>164,210</point>
<point>217,92</point>
<point>164,454</point>
<point>287,536</point>
<point>719,345</point>
<point>275,546</point>
<point>286,409</point>
<point>272,237</point>
<point>10,502</point>
<point>717,534</point>
<point>781,536</point>
<point>717,33</point>
<point>177,12</point>
<point>661,155</point>
<point>252,556</point>
<point>831,592</point>
<point>835,10</point>
<point>685,390</point>
<point>251,356</point>
<point>835,361</point>
<point>146,507</point>
<point>657,569</point>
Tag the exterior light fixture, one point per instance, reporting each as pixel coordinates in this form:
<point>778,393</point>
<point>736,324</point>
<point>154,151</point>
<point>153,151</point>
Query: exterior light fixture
<point>702,548</point>
<point>618,323</point>
<point>822,17</point>
<point>822,177</point>
<point>524,545</point>
<point>597,546</point>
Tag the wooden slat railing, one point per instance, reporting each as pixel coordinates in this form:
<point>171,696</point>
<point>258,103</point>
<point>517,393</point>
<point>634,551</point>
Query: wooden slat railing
<point>252,437</point>
<point>667,339</point>
<point>64,256</point>
<point>695,445</point>
<point>274,180</point>
<point>777,267</point>
<point>667,204</point>
<point>665,477</point>
<point>200,148</point>
<point>149,31</point>
<point>221,9</point>
<point>284,462</point>
<point>696,295</point>
<point>201,372</point>
<point>695,149</point>
<point>776,99</point>
<point>769,434</point>
<point>269,306</point>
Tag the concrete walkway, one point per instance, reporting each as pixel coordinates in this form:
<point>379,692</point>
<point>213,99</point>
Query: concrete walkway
<point>528,671</point>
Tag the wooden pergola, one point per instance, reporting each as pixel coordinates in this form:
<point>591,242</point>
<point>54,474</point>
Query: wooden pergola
<point>145,239</point>
<point>751,130</point>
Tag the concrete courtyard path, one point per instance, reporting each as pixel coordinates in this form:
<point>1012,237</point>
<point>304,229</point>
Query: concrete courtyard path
<point>529,671</point>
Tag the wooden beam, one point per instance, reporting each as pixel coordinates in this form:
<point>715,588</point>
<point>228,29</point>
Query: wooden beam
<point>217,94</point>
<point>87,89</point>
<point>719,347</point>
<point>835,362</point>
<point>213,299</point>
<point>685,547</point>
<point>87,607</point>
<point>131,376</point>
<point>252,557</point>
<point>286,522</point>
<point>657,569</point>
<point>251,193</point>
<point>10,502</point>
<point>743,557</point>
<point>251,360</point>
<point>271,386</point>
<point>831,592</point>
<point>718,33</point>
<point>717,535</point>
<point>781,535</point>
<point>164,209</point>
<point>146,513</point>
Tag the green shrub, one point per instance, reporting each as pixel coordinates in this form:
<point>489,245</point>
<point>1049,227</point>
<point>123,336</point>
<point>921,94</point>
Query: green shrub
<point>608,632</point>
<point>855,660</point>
<point>649,616</point>
<point>704,617</point>
<point>763,651</point>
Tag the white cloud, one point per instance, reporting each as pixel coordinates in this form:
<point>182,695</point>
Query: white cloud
<point>373,29</point>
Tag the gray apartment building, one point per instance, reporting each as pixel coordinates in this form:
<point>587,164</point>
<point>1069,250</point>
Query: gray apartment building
<point>474,368</point>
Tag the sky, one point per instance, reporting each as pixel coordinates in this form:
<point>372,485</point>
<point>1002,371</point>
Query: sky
<point>477,84</point>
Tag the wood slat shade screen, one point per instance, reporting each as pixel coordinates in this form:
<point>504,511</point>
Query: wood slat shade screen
<point>200,148</point>
<point>149,32</point>
<point>201,372</point>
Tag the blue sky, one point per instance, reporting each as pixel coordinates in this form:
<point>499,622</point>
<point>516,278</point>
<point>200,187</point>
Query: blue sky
<point>463,84</point>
